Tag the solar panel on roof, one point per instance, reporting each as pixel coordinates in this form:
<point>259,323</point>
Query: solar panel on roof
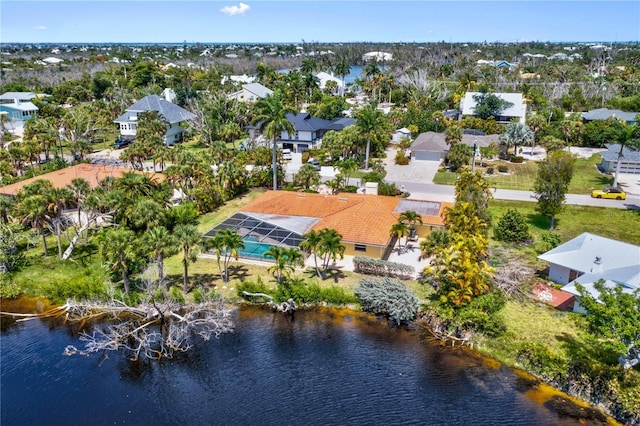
<point>424,208</point>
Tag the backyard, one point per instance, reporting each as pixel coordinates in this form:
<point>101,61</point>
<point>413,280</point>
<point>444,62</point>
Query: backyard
<point>586,176</point>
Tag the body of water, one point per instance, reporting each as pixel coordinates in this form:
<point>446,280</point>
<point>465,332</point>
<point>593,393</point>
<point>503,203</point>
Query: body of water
<point>325,367</point>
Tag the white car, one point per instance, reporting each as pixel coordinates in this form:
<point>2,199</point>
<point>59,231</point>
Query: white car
<point>286,154</point>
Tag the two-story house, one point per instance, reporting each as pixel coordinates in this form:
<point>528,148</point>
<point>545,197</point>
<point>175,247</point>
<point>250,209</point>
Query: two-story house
<point>308,131</point>
<point>251,92</point>
<point>171,113</point>
<point>18,105</point>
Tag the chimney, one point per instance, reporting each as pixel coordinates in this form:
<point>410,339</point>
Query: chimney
<point>371,188</point>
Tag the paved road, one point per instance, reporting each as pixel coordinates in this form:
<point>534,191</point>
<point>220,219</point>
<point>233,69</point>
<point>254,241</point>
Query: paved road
<point>430,191</point>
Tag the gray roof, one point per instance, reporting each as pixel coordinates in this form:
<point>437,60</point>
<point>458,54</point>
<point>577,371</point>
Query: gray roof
<point>518,109</point>
<point>171,112</point>
<point>604,113</point>
<point>258,89</point>
<point>341,123</point>
<point>22,106</point>
<point>423,208</point>
<point>306,122</point>
<point>580,254</point>
<point>435,142</point>
<point>27,96</point>
<point>614,149</point>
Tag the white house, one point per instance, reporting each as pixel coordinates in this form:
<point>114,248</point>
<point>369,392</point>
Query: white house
<point>251,92</point>
<point>171,113</point>
<point>589,258</point>
<point>378,56</point>
<point>400,134</point>
<point>517,110</point>
<point>326,77</point>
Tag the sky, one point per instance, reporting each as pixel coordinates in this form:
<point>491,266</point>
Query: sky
<point>263,21</point>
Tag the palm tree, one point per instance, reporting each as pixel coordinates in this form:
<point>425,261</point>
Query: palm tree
<point>453,135</point>
<point>411,218</point>
<point>278,254</point>
<point>58,198</point>
<point>399,230</point>
<point>627,137</point>
<point>310,245</point>
<point>80,190</point>
<point>271,120</point>
<point>160,243</point>
<point>119,248</point>
<point>188,238</point>
<point>33,210</point>
<point>368,123</point>
<point>517,134</point>
<point>226,244</point>
<point>330,247</point>
<point>342,69</point>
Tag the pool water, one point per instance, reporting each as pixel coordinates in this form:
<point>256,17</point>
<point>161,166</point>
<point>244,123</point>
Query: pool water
<point>253,248</point>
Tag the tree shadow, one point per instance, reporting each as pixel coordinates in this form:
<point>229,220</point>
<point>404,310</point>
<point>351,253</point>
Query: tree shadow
<point>539,221</point>
<point>579,349</point>
<point>202,280</point>
<point>335,275</point>
<point>239,272</point>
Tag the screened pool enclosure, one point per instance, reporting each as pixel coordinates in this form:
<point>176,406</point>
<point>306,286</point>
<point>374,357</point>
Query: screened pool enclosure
<point>260,231</point>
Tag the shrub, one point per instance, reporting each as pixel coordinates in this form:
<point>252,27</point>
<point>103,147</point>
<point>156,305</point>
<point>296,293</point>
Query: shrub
<point>401,159</point>
<point>490,170</point>
<point>382,268</point>
<point>389,297</point>
<point>9,290</point>
<point>81,287</point>
<point>512,227</point>
<point>350,188</point>
<point>517,159</point>
<point>388,189</point>
<point>548,240</point>
<point>502,168</point>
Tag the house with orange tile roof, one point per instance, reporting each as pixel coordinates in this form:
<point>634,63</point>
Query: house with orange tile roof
<point>92,173</point>
<point>282,218</point>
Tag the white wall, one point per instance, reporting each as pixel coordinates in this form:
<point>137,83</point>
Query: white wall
<point>559,274</point>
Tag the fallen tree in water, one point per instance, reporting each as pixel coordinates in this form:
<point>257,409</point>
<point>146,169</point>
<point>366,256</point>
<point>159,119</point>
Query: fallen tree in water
<point>151,330</point>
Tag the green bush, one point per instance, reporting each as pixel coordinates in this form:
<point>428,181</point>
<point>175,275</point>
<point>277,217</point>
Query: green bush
<point>512,227</point>
<point>9,290</point>
<point>253,287</point>
<point>389,297</point>
<point>86,286</point>
<point>518,159</point>
<point>536,357</point>
<point>401,159</point>
<point>490,170</point>
<point>548,241</point>
<point>502,168</point>
<point>350,188</point>
<point>388,189</point>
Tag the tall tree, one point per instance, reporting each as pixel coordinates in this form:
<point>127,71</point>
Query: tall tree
<point>342,69</point>
<point>489,105</point>
<point>33,210</point>
<point>411,218</point>
<point>310,245</point>
<point>552,183</point>
<point>271,120</point>
<point>188,238</point>
<point>225,245</point>
<point>120,250</point>
<point>330,247</point>
<point>160,243</point>
<point>368,121</point>
<point>80,190</point>
<point>399,230</point>
<point>626,137</point>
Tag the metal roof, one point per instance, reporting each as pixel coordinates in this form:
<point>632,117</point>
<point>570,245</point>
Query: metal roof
<point>614,149</point>
<point>423,208</point>
<point>605,113</point>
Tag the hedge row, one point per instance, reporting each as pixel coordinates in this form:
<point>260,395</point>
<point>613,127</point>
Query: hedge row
<point>382,268</point>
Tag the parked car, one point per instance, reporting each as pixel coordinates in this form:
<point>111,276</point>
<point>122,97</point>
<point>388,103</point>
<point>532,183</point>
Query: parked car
<point>121,142</point>
<point>611,192</point>
<point>286,154</point>
<point>315,163</point>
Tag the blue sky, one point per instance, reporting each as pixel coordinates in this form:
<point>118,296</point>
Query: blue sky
<point>150,21</point>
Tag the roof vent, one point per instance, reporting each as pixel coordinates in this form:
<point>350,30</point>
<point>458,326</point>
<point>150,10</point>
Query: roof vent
<point>302,195</point>
<point>598,260</point>
<point>343,199</point>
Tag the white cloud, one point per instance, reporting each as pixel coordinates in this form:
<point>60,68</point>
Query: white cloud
<point>40,27</point>
<point>239,9</point>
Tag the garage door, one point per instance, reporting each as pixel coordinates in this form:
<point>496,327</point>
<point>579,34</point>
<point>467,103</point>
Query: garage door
<point>427,155</point>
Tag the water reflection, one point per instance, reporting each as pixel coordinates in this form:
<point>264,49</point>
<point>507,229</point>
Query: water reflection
<point>322,367</point>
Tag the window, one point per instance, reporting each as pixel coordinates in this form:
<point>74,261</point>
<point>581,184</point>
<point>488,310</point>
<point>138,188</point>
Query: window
<point>360,247</point>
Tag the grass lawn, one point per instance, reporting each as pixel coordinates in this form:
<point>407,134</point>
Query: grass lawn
<point>619,224</point>
<point>586,176</point>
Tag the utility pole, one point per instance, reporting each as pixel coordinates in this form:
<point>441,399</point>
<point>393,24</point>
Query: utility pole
<point>473,159</point>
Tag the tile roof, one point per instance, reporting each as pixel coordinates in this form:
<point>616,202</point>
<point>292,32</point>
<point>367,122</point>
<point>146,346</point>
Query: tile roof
<point>93,173</point>
<point>171,112</point>
<point>359,218</point>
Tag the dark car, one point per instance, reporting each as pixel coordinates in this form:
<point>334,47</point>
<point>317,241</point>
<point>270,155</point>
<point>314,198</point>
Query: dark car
<point>314,163</point>
<point>121,142</point>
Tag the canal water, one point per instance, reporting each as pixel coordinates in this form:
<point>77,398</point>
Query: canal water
<point>326,367</point>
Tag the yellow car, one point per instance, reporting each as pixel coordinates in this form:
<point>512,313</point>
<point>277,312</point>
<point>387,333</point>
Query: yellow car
<point>609,192</point>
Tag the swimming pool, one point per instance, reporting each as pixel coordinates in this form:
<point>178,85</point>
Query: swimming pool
<point>253,248</point>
